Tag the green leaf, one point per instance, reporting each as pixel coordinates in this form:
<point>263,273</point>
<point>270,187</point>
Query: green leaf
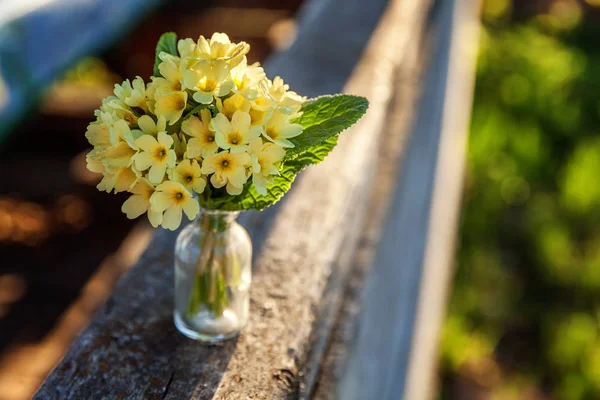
<point>167,44</point>
<point>325,117</point>
<point>194,110</point>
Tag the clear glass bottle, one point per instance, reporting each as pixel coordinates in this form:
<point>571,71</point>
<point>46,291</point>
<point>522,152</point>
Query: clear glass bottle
<point>213,257</point>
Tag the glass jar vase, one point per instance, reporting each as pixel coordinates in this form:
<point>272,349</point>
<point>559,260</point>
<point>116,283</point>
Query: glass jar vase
<point>213,257</point>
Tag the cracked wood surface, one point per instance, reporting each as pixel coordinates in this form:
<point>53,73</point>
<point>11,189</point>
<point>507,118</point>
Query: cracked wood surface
<point>132,350</point>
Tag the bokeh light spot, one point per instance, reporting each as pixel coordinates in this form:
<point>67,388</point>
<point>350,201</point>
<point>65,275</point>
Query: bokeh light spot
<point>514,191</point>
<point>12,288</point>
<point>515,89</point>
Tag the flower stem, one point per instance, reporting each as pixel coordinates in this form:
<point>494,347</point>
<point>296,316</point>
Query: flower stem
<point>209,287</point>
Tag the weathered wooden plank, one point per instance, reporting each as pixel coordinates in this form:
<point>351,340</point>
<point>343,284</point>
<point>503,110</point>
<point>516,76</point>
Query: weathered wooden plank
<point>322,238</point>
<point>132,346</point>
<point>407,287</point>
<point>322,368</point>
<point>400,117</point>
<point>447,193</point>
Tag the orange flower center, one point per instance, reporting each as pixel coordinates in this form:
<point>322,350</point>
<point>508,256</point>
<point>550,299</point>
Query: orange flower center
<point>208,85</point>
<point>272,133</point>
<point>160,153</point>
<point>234,138</point>
<point>178,197</point>
<point>256,116</point>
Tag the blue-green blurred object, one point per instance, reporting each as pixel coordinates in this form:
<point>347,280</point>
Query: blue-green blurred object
<point>40,39</point>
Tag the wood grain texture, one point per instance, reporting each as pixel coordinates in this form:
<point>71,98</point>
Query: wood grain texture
<point>400,116</point>
<point>317,230</point>
<point>395,350</point>
<point>132,350</point>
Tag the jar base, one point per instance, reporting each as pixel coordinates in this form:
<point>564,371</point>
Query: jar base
<point>205,337</point>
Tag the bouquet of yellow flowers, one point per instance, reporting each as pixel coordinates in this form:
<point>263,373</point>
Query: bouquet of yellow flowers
<point>209,131</point>
<point>209,123</point>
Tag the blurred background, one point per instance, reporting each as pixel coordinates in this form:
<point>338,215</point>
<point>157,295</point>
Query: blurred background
<point>523,319</point>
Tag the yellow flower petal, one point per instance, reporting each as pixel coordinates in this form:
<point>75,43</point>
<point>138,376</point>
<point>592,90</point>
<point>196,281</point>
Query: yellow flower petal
<point>143,160</point>
<point>260,183</point>
<point>203,98</point>
<point>165,139</point>
<point>157,172</point>
<point>233,190</point>
<point>238,177</point>
<point>98,135</point>
<point>135,206</point>
<point>160,201</point>
<point>191,208</point>
<point>125,177</point>
<point>170,105</point>
<point>200,185</point>
<point>146,142</point>
<point>217,181</point>
<point>120,155</point>
<point>142,187</point>
<point>240,121</point>
<point>172,218</point>
<point>155,218</point>
<point>147,125</point>
<point>193,127</point>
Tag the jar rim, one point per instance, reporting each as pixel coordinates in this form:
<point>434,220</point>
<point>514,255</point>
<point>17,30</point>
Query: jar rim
<point>217,212</point>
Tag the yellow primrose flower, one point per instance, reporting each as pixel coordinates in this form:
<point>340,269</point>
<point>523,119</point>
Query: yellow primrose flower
<point>159,84</point>
<point>289,101</point>
<point>261,110</point>
<point>246,78</point>
<point>209,80</point>
<point>149,127</point>
<point>233,104</point>
<point>189,175</point>
<point>103,117</point>
<point>170,105</point>
<point>234,135</point>
<point>203,142</point>
<point>187,48</point>
<point>98,134</point>
<point>279,129</point>
<point>123,145</point>
<point>166,96</point>
<point>117,110</point>
<point>264,157</point>
<point>171,198</point>
<point>132,93</point>
<point>227,169</point>
<point>139,202</point>
<point>171,68</point>
<point>219,47</point>
<point>156,155</point>
<point>117,179</point>
<point>158,87</point>
<point>94,161</point>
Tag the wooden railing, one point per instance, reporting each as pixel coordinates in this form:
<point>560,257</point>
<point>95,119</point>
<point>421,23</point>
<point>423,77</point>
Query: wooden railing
<point>370,229</point>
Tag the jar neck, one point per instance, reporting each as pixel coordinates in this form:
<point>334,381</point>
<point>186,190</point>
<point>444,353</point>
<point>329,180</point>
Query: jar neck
<point>216,220</point>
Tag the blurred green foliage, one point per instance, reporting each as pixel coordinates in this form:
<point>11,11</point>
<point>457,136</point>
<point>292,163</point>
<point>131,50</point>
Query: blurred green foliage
<point>525,309</point>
